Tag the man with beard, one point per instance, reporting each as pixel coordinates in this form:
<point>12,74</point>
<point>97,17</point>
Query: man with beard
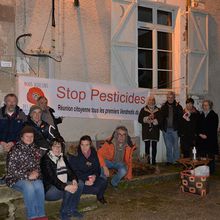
<point>116,153</point>
<point>12,119</point>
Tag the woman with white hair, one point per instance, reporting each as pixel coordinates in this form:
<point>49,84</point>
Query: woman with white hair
<point>148,118</point>
<point>207,137</point>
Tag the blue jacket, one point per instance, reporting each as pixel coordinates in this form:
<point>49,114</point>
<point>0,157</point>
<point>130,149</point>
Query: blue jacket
<point>84,167</point>
<point>10,126</point>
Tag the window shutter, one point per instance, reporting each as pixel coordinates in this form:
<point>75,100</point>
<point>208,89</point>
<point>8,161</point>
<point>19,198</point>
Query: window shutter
<point>198,55</point>
<point>124,42</point>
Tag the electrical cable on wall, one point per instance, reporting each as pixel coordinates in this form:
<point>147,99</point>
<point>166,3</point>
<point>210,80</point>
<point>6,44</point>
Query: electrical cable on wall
<point>41,43</point>
<point>31,68</point>
<point>45,31</point>
<point>53,13</point>
<point>33,54</point>
<point>168,83</point>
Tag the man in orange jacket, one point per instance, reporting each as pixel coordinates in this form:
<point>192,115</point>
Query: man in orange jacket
<point>116,153</point>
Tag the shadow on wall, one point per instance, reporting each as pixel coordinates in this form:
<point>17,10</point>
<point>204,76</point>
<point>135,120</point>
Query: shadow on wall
<point>103,7</point>
<point>82,46</point>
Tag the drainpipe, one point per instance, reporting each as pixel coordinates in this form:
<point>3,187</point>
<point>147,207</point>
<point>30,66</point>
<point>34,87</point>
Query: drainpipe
<point>51,62</point>
<point>188,4</point>
<point>76,3</point>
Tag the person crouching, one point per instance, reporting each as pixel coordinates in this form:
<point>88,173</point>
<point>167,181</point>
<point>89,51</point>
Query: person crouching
<point>116,153</point>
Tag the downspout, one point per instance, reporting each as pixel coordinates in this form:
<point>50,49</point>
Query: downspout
<point>188,4</point>
<point>51,70</point>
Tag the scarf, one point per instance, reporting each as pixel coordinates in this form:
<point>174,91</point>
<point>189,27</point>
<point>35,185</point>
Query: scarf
<point>206,113</point>
<point>87,154</point>
<point>61,166</point>
<point>119,151</point>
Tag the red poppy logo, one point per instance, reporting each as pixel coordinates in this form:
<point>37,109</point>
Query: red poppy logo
<point>33,94</point>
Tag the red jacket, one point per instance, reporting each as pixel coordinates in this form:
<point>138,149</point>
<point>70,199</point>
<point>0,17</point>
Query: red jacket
<point>107,152</point>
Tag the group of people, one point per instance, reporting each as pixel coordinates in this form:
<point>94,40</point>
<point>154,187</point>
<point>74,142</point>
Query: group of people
<point>38,167</point>
<point>193,128</point>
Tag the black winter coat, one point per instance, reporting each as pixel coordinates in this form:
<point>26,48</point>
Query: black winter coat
<point>209,126</point>
<point>149,132</point>
<point>187,130</point>
<point>177,115</point>
<point>43,134</point>
<point>55,120</point>
<point>84,167</point>
<point>49,169</point>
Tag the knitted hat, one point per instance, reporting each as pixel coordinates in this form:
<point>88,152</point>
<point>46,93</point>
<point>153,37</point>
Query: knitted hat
<point>26,129</point>
<point>33,108</point>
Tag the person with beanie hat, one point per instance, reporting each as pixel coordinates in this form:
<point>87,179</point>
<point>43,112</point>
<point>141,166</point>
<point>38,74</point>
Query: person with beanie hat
<point>23,174</point>
<point>43,132</point>
<point>33,108</point>
<point>26,129</point>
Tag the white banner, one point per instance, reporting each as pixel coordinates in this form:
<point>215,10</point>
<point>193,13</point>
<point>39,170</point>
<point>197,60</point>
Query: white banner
<point>80,99</point>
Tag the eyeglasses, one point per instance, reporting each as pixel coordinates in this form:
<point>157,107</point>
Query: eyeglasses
<point>122,134</point>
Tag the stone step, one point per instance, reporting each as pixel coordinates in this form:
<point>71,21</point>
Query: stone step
<point>12,207</point>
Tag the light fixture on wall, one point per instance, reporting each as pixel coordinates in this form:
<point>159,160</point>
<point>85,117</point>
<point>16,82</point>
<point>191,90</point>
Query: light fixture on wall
<point>76,3</point>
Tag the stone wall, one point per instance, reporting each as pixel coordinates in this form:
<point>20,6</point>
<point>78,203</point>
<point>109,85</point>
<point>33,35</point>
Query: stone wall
<point>81,37</point>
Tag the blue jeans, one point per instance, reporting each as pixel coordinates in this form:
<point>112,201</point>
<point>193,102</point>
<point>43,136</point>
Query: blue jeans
<point>172,146</point>
<point>120,167</point>
<point>33,193</point>
<point>98,188</point>
<point>70,200</point>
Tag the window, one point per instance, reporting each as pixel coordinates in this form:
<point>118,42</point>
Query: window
<point>145,58</point>
<point>164,18</point>
<point>145,14</point>
<point>155,48</point>
<point>164,59</point>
